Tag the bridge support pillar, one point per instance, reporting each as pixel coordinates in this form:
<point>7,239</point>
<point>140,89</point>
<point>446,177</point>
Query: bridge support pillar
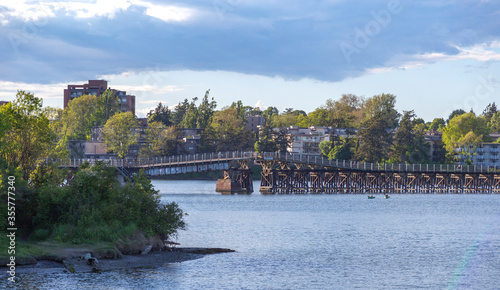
<point>235,181</point>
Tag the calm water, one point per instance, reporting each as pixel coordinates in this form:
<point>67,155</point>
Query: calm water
<point>320,242</point>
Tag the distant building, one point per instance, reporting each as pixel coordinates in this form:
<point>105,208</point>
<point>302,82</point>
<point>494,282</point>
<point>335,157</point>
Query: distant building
<point>487,154</point>
<point>96,88</point>
<point>436,150</point>
<point>254,122</point>
<point>306,140</point>
<point>88,150</point>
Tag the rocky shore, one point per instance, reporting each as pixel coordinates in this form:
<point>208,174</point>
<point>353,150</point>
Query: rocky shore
<point>74,261</point>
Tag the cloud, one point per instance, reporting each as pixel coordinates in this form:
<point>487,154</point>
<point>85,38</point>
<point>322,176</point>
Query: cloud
<point>58,41</point>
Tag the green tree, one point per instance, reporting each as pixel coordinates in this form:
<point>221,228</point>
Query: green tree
<point>452,115</point>
<point>121,132</point>
<point>458,128</point>
<point>409,141</point>
<point>437,124</point>
<point>467,146</point>
<point>160,114</point>
<point>490,111</point>
<point>266,142</point>
<point>382,105</point>
<point>78,118</point>
<point>206,111</point>
<point>345,112</point>
<point>107,105</point>
<point>27,137</point>
<point>226,132</point>
<point>325,147</point>
<point>162,140</point>
<point>283,141</point>
<point>375,140</point>
<point>494,123</point>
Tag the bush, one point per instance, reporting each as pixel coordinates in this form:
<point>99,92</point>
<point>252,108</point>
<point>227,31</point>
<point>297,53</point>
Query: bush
<point>95,207</point>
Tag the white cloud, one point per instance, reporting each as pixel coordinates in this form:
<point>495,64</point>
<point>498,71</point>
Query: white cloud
<point>481,52</point>
<point>29,11</point>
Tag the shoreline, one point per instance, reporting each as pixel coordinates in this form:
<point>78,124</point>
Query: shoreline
<point>75,264</point>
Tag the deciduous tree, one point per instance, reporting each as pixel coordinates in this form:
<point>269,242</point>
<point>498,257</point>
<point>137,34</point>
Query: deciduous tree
<point>121,132</point>
<point>27,135</point>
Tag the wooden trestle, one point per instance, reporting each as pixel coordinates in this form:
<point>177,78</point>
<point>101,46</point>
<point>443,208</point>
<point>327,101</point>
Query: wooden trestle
<point>283,179</point>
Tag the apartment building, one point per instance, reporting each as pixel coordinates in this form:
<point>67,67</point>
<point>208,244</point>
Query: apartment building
<point>306,140</point>
<point>96,88</point>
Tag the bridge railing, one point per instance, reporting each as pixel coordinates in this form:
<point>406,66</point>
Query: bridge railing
<point>356,165</point>
<point>287,157</point>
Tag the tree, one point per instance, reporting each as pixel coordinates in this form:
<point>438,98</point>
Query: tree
<point>453,114</point>
<point>409,142</point>
<point>160,114</point>
<point>26,133</point>
<point>382,105</point>
<point>121,132</point>
<point>206,111</point>
<point>107,105</point>
<point>78,118</point>
<point>437,124</point>
<point>346,112</point>
<point>467,146</point>
<point>458,128</point>
<point>266,142</point>
<point>494,123</point>
<point>325,147</point>
<point>226,132</point>
<point>375,140</point>
<point>162,140</point>
<point>490,111</point>
<point>283,140</point>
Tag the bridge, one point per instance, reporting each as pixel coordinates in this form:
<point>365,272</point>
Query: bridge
<point>296,173</point>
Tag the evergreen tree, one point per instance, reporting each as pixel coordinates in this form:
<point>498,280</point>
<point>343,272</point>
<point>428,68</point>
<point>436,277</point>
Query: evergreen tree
<point>375,140</point>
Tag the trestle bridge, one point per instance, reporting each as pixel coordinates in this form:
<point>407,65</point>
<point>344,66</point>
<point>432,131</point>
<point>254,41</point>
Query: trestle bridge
<point>296,173</point>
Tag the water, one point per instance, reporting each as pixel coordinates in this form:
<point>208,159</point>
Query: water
<point>440,241</point>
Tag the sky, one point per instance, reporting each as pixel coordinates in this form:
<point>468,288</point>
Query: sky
<point>435,56</point>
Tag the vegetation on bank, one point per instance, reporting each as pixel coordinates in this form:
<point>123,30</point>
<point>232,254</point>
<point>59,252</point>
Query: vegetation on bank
<point>55,204</point>
<point>93,207</point>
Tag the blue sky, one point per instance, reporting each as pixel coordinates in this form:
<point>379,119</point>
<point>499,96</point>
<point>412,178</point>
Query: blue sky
<point>436,56</point>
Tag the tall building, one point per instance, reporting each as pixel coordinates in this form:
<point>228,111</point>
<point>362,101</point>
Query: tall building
<point>96,88</point>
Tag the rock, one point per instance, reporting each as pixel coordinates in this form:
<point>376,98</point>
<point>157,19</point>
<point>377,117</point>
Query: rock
<point>147,249</point>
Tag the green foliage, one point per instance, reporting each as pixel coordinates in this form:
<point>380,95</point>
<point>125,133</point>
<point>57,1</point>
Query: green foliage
<point>494,123</point>
<point>454,135</point>
<point>27,137</point>
<point>453,114</point>
<point>409,142</point>
<point>160,114</point>
<point>162,140</point>
<point>107,105</point>
<point>120,132</point>
<point>382,106</point>
<point>325,146</point>
<point>95,207</point>
<point>375,140</point>
<point>437,124</point>
<point>226,132</point>
<point>346,112</point>
<point>266,142</point>
<point>188,115</point>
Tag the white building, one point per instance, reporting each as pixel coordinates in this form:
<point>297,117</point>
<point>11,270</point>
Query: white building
<point>306,140</point>
<point>487,154</point>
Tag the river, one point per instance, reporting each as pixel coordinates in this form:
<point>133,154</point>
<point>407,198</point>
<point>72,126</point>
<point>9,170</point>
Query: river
<point>429,241</point>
